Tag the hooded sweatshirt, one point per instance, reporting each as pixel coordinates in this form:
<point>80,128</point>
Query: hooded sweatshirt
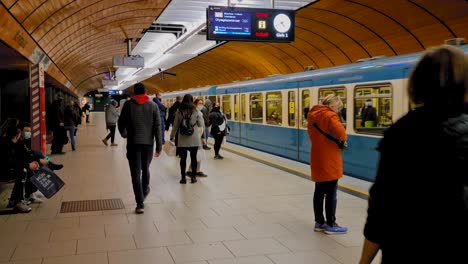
<point>140,123</point>
<point>326,163</point>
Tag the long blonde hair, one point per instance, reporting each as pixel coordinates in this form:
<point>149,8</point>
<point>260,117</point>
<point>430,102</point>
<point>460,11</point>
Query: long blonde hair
<point>333,101</point>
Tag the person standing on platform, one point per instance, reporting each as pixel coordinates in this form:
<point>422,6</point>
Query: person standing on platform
<point>218,128</point>
<point>112,115</point>
<point>326,163</point>
<point>162,113</point>
<point>87,110</point>
<point>172,110</point>
<point>56,121</point>
<point>418,204</point>
<point>140,124</point>
<point>70,117</point>
<point>206,118</point>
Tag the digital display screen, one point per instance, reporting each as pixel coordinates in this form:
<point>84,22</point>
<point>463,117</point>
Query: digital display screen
<point>250,24</point>
<point>112,92</point>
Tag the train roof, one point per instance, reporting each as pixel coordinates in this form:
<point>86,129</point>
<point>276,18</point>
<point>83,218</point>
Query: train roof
<point>387,64</point>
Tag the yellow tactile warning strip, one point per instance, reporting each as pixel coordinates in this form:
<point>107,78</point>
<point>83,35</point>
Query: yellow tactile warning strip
<point>301,173</point>
<point>91,205</point>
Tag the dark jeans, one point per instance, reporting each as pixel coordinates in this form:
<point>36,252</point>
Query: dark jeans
<point>111,134</point>
<point>20,189</point>
<point>183,159</point>
<point>87,118</point>
<point>327,191</point>
<point>139,159</point>
<point>218,138</point>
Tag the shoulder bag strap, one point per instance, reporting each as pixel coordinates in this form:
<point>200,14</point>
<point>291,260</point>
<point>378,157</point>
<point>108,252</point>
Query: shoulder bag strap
<point>330,137</point>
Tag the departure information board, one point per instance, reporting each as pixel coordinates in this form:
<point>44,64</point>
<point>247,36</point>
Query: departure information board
<point>250,24</point>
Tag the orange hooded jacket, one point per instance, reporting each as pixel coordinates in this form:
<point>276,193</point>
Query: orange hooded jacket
<point>326,163</point>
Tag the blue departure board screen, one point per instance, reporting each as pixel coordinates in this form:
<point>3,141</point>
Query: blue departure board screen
<point>250,24</point>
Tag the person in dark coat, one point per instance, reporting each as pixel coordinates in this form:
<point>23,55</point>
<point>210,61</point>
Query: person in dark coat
<point>79,114</point>
<point>217,119</point>
<point>172,110</point>
<point>69,122</point>
<point>87,110</point>
<point>418,211</point>
<point>162,113</point>
<point>369,113</point>
<point>140,124</point>
<point>205,109</point>
<point>56,117</point>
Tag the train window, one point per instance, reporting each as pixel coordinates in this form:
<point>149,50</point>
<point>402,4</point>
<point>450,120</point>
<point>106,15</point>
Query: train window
<point>227,106</point>
<point>274,110</point>
<point>292,108</point>
<point>305,106</point>
<point>341,92</point>
<point>236,107</point>
<point>256,108</point>
<point>373,108</point>
<point>243,107</point>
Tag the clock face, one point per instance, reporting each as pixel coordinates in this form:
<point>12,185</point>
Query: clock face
<point>282,23</point>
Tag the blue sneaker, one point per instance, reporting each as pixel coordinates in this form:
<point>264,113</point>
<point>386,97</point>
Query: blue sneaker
<point>319,227</point>
<point>335,229</point>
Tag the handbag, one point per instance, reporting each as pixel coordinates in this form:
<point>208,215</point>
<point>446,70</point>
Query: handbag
<point>47,182</point>
<point>169,148</point>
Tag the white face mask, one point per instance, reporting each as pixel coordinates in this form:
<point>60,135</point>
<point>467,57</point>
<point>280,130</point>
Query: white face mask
<point>27,135</point>
<point>200,107</point>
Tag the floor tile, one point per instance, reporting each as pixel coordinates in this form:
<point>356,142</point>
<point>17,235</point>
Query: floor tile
<point>160,239</point>
<point>316,257</point>
<point>105,244</point>
<point>113,230</point>
<point>262,230</point>
<point>242,248</point>
<point>141,256</point>
<point>96,258</point>
<point>77,233</point>
<point>214,235</point>
<point>243,260</point>
<point>199,252</point>
<point>40,250</point>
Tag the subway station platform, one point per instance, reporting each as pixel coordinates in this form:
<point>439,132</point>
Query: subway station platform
<point>244,212</point>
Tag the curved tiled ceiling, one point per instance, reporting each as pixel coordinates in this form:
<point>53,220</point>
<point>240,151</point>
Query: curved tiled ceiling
<point>328,33</point>
<point>82,36</point>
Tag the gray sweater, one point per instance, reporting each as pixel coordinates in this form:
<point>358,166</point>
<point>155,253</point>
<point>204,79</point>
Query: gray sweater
<point>193,140</point>
<point>112,115</point>
<point>140,123</point>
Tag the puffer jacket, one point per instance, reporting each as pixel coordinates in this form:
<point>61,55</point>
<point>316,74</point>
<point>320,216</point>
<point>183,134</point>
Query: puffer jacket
<point>421,184</point>
<point>140,123</point>
<point>326,163</point>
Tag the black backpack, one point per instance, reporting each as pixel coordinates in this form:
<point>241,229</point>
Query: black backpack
<point>186,128</point>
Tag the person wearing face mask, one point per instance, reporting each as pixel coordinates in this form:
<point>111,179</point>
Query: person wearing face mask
<point>14,166</point>
<point>326,163</point>
<point>369,115</point>
<point>199,105</point>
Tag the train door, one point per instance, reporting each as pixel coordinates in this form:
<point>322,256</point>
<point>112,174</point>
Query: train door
<point>303,137</point>
<point>292,118</point>
<point>243,117</point>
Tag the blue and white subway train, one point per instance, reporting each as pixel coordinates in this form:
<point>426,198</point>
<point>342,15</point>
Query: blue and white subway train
<point>270,114</point>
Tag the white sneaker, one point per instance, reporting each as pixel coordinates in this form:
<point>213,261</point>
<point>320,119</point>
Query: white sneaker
<point>22,208</point>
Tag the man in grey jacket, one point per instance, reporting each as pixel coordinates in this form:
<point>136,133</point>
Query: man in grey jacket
<point>112,115</point>
<point>140,123</point>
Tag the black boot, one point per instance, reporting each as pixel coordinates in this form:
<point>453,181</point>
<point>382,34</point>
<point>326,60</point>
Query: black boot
<point>54,166</point>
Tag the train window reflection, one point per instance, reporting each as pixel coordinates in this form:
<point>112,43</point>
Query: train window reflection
<point>341,92</point>
<point>292,108</point>
<point>274,109</point>
<point>305,106</point>
<point>256,108</point>
<point>373,108</point>
<point>227,106</point>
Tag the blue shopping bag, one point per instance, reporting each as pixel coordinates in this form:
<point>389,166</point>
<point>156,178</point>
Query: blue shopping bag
<point>47,182</point>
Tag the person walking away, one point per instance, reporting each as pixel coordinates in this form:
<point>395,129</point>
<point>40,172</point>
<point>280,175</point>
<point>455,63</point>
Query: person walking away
<point>205,109</point>
<point>187,119</point>
<point>70,117</point>
<point>79,114</point>
<point>172,110</point>
<point>56,120</point>
<point>87,110</point>
<point>199,105</point>
<point>217,119</point>
<point>139,123</point>
<point>162,113</point>
<point>326,163</point>
<point>422,180</point>
<point>112,115</point>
